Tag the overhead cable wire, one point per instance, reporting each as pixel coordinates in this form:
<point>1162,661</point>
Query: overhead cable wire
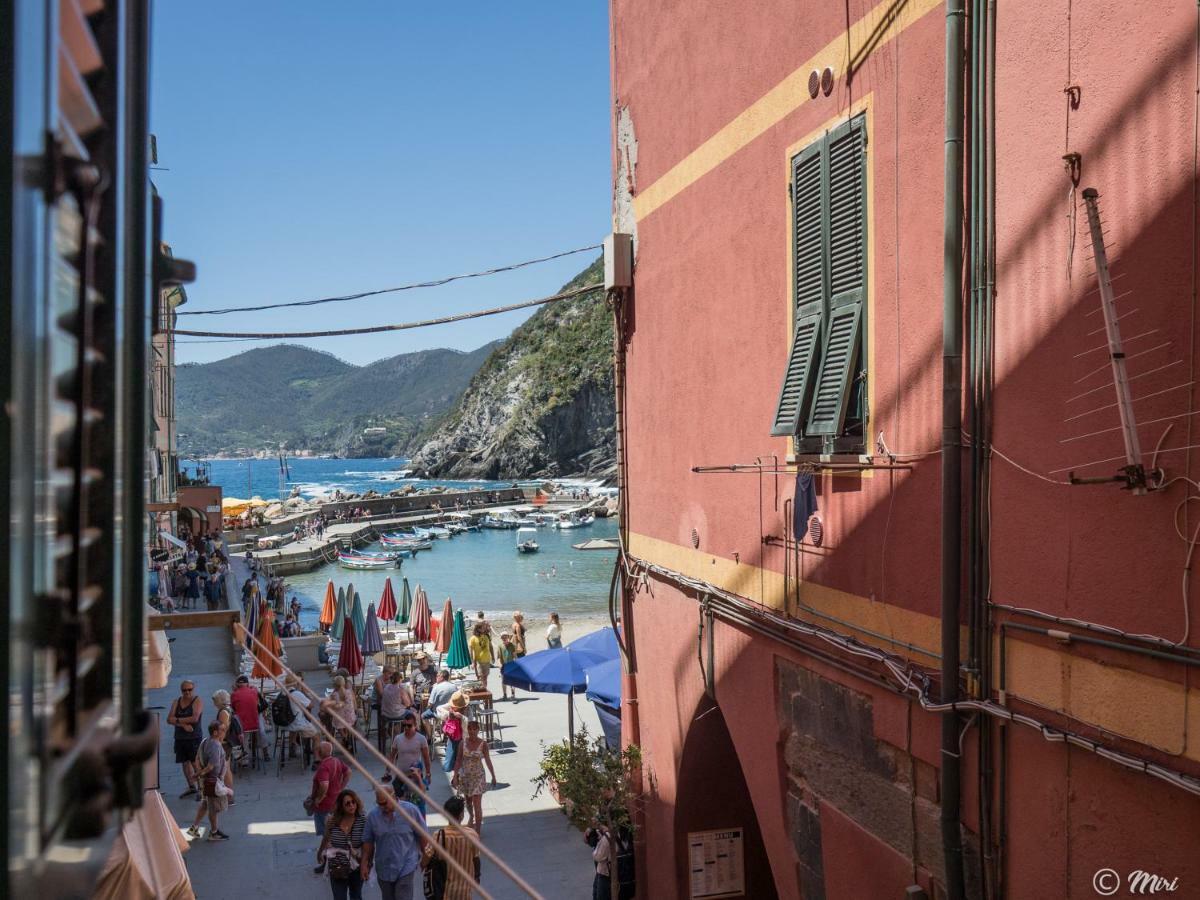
<point>404,326</point>
<point>437,282</point>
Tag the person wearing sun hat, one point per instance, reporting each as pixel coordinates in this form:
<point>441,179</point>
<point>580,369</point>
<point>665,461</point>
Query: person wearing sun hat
<point>454,726</point>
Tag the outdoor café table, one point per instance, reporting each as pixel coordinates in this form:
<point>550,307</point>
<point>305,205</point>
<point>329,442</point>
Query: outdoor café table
<point>482,700</point>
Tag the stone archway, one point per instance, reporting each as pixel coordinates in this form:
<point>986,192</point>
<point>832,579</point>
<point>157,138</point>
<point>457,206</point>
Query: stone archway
<point>712,796</point>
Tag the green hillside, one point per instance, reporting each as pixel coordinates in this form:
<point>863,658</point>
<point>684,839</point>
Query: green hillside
<point>313,400</point>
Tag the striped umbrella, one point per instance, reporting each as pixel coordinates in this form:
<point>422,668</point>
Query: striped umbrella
<point>327,608</point>
<point>420,617</point>
<point>372,642</point>
<point>357,618</point>
<point>264,665</point>
<point>387,602</point>
<point>350,656</point>
<point>445,630</point>
<point>459,656</point>
<point>405,605</point>
<point>339,614</point>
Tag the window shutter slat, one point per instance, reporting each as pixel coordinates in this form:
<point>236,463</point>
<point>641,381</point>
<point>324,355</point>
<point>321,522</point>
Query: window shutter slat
<point>797,380</point>
<point>807,203</point>
<point>838,366</point>
<point>847,212</point>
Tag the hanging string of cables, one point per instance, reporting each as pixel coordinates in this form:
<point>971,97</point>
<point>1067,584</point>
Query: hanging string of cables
<point>404,326</point>
<point>241,634</point>
<point>437,282</point>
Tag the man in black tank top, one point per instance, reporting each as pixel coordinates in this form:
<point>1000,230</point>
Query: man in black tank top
<point>187,711</point>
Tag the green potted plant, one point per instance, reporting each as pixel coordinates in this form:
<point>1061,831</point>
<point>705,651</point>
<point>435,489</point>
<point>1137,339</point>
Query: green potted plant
<point>593,785</point>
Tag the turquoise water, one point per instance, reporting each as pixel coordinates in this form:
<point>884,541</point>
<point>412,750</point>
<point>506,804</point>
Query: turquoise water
<point>479,570</point>
<point>482,570</point>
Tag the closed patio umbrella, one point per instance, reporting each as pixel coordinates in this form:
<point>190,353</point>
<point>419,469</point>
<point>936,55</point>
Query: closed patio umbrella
<point>387,602</point>
<point>446,629</point>
<point>350,656</point>
<point>357,619</point>
<point>561,670</point>
<point>459,656</point>
<point>372,642</point>
<point>406,601</point>
<point>329,606</point>
<point>251,622</point>
<point>420,617</point>
<point>266,666</point>
<point>339,615</point>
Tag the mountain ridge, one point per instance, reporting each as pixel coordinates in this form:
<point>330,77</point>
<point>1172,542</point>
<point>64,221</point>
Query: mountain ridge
<point>312,400</point>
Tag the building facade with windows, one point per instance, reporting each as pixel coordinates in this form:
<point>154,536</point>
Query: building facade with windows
<point>796,572</point>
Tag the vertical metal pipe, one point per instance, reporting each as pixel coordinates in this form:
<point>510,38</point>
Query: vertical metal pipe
<point>951,587</point>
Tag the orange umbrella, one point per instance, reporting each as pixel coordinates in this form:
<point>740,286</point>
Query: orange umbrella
<point>435,629</point>
<point>387,603</point>
<point>264,665</point>
<point>441,643</point>
<point>326,618</point>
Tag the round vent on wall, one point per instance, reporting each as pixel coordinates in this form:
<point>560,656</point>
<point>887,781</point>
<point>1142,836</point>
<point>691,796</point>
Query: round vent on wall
<point>826,81</point>
<point>814,84</point>
<point>816,532</point>
<point>695,538</point>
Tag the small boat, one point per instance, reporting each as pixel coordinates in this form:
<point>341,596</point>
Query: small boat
<point>405,542</point>
<point>456,528</point>
<point>437,531</point>
<point>347,561</point>
<point>525,521</point>
<point>527,540</point>
<point>567,520</point>
<point>498,522</point>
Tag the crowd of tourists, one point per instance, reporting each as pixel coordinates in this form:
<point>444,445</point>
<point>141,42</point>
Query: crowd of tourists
<point>199,574</point>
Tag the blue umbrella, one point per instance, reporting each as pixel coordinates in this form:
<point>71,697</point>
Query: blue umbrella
<point>604,683</point>
<point>556,671</point>
<point>372,641</point>
<point>357,618</point>
<point>602,642</point>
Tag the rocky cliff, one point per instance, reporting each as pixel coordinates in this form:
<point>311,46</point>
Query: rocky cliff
<point>542,404</point>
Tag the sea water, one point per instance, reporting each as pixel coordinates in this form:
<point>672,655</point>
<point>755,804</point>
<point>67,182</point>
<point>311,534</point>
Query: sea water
<point>478,570</point>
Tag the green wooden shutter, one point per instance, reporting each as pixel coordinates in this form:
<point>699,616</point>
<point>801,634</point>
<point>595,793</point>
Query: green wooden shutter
<point>847,278</point>
<point>810,232</point>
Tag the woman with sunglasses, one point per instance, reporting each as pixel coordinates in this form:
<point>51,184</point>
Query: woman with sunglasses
<point>341,846</point>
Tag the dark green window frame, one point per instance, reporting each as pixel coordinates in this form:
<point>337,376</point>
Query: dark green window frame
<point>822,402</point>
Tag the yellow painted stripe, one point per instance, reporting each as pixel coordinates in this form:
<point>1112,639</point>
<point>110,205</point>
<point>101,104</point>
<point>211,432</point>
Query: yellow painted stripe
<point>876,28</point>
<point>1153,711</point>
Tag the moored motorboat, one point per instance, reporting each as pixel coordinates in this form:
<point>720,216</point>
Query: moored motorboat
<point>437,531</point>
<point>527,540</point>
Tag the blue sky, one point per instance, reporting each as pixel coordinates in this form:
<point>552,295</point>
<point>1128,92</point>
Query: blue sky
<point>318,149</point>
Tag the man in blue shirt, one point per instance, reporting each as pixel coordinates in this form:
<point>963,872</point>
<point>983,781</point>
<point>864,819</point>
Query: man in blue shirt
<point>393,845</point>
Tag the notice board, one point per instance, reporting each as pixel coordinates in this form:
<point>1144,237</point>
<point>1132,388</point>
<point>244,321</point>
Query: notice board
<point>716,864</point>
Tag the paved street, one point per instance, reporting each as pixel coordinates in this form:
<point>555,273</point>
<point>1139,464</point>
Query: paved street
<point>272,846</point>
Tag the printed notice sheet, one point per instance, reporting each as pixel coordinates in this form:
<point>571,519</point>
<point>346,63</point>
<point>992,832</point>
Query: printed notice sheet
<point>715,862</point>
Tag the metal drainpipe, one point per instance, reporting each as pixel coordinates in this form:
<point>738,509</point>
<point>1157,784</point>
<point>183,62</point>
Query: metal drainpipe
<point>951,588</point>
<point>628,641</point>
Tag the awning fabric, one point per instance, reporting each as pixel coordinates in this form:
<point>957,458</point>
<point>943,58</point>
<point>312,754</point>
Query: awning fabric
<point>146,862</point>
<point>171,539</point>
<point>157,655</point>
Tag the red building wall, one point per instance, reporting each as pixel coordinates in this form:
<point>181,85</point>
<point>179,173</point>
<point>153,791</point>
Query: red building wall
<point>715,102</point>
